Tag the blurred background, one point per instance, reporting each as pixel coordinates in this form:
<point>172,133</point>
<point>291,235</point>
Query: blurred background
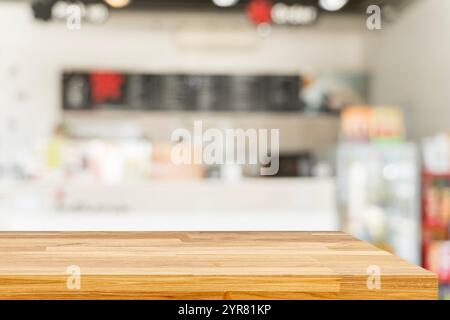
<point>90,92</point>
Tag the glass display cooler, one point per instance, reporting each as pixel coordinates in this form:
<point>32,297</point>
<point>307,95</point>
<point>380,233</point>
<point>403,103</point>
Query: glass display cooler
<point>379,196</point>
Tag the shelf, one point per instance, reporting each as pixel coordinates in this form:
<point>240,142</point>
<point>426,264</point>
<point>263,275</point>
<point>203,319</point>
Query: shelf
<point>130,114</point>
<point>430,175</point>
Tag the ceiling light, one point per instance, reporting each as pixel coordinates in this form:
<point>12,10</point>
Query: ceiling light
<point>332,5</point>
<point>59,10</point>
<point>98,13</point>
<point>118,3</point>
<point>225,3</point>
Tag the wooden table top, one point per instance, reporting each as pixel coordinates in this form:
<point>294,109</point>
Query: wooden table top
<point>204,265</point>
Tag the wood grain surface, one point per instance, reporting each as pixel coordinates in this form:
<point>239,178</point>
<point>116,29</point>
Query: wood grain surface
<point>203,265</point>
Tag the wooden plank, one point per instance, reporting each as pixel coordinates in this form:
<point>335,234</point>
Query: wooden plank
<point>203,265</point>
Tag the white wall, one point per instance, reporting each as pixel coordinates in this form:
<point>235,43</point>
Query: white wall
<point>154,42</point>
<point>408,60</point>
<point>410,64</point>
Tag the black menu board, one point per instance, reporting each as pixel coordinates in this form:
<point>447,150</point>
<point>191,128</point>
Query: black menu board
<point>174,92</point>
<point>213,93</point>
<point>145,92</point>
<point>248,93</point>
<point>76,92</point>
<point>283,93</point>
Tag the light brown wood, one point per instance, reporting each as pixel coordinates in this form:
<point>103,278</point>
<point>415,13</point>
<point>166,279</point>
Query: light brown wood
<point>203,265</point>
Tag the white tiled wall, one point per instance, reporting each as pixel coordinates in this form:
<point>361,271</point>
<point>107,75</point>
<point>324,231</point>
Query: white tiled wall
<point>156,42</point>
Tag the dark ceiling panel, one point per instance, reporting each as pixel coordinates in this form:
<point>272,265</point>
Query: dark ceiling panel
<point>353,6</point>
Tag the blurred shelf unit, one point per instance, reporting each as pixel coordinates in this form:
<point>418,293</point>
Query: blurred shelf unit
<point>298,131</point>
<point>111,114</point>
<point>436,227</point>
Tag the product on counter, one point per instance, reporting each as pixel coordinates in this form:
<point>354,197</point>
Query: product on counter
<point>386,124</point>
<point>355,124</point>
<point>164,168</point>
<point>376,124</point>
<point>437,203</point>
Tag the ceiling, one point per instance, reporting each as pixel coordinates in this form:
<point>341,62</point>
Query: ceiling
<point>354,6</point>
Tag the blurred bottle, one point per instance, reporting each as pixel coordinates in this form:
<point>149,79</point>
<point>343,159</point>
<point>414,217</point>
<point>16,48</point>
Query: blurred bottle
<point>54,148</point>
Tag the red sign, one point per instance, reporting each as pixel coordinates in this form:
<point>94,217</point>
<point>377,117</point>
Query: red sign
<point>106,86</point>
<point>260,11</point>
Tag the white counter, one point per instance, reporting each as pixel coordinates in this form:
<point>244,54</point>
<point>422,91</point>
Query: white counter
<point>250,204</point>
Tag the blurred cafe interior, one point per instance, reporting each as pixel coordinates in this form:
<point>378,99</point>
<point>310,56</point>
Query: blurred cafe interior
<point>91,92</point>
